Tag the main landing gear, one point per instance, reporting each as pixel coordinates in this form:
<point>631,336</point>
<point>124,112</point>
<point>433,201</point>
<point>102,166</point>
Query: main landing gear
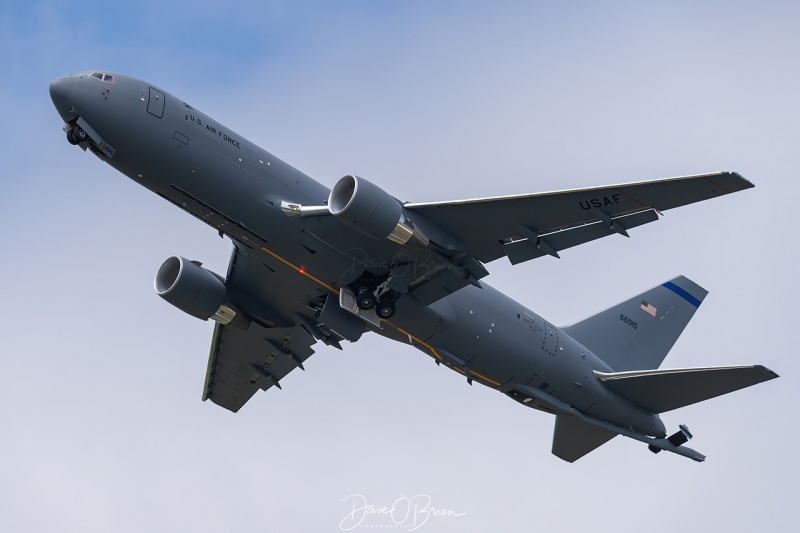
<point>369,296</point>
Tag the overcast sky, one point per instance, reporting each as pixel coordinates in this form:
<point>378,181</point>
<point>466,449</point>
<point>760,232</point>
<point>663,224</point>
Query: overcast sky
<point>102,424</point>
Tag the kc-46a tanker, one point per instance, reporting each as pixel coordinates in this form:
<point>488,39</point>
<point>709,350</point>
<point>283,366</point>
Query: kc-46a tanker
<point>311,265</point>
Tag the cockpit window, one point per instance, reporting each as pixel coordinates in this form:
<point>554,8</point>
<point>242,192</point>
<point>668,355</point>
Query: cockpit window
<point>108,78</point>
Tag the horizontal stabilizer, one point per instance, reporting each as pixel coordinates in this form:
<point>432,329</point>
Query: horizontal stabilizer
<point>573,438</point>
<point>656,445</point>
<point>659,391</point>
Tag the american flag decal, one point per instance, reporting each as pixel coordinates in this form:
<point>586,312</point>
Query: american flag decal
<point>650,309</point>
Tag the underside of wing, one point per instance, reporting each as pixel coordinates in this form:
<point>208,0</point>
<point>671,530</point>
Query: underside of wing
<point>242,362</point>
<point>436,249</point>
<point>524,227</point>
<point>289,314</point>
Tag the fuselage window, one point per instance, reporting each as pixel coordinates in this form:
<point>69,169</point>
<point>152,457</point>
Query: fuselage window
<point>98,75</point>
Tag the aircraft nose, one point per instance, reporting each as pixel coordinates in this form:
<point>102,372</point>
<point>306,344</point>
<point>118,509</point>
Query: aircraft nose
<point>61,90</point>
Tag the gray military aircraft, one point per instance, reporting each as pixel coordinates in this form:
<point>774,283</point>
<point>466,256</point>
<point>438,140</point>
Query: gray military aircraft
<point>311,264</point>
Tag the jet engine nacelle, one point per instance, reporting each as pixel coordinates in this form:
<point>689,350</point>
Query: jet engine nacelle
<point>370,210</point>
<point>196,291</point>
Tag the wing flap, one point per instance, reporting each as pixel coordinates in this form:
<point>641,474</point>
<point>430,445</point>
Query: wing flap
<point>659,391</point>
<point>526,249</point>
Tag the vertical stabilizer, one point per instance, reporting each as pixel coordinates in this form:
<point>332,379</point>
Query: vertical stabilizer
<point>637,334</point>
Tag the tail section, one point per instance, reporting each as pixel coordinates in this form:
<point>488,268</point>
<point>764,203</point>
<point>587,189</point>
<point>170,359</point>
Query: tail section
<point>659,391</point>
<point>577,433</point>
<point>633,338</point>
<point>637,334</point>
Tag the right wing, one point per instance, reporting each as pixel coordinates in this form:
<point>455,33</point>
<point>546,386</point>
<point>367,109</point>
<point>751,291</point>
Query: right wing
<point>242,362</point>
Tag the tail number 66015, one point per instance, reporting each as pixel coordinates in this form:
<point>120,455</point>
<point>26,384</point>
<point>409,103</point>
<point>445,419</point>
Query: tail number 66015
<point>628,321</point>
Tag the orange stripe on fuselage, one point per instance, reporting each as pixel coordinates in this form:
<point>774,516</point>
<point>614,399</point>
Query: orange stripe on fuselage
<point>302,271</point>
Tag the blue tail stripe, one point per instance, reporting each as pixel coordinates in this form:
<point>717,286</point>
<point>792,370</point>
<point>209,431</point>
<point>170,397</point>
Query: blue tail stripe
<point>683,293</point>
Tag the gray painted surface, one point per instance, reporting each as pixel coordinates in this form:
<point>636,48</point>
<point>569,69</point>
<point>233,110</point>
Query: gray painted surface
<point>282,292</point>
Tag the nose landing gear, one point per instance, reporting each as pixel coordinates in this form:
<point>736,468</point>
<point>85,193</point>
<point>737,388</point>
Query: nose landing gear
<point>79,132</point>
<point>76,135</point>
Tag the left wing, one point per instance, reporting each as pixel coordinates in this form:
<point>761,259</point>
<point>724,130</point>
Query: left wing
<point>527,226</point>
<point>467,233</point>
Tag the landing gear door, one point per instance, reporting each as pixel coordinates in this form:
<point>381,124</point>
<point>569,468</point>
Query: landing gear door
<point>155,105</point>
